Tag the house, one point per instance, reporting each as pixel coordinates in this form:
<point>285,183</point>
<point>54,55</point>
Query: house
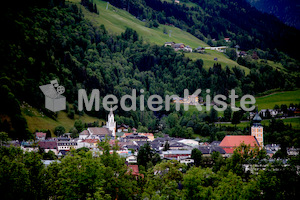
<point>83,135</point>
<point>131,159</point>
<point>215,143</point>
<point>150,136</point>
<point>272,147</point>
<point>231,142</point>
<point>189,142</point>
<point>49,145</point>
<point>100,133</point>
<point>176,154</point>
<point>200,49</point>
<point>220,48</point>
<point>175,145</point>
<point>29,146</point>
<point>61,138</point>
<point>170,44</point>
<point>122,128</point>
<point>126,134</point>
<point>135,137</point>
<point>178,46</point>
<point>134,169</point>
<point>227,39</point>
<point>242,54</point>
<point>40,136</point>
<point>187,161</point>
<point>66,145</point>
<point>264,112</point>
<point>208,150</point>
<point>187,49</point>
<point>177,1</point>
<point>119,134</point>
<point>88,143</point>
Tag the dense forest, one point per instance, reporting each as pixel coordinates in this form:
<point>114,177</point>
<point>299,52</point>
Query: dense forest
<point>52,40</point>
<point>287,11</point>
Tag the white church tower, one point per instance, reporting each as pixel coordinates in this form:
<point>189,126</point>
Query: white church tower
<point>111,124</point>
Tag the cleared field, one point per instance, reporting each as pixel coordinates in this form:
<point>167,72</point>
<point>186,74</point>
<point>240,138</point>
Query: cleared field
<point>38,121</point>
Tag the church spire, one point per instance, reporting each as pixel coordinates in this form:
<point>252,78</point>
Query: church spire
<point>111,111</point>
<point>111,124</point>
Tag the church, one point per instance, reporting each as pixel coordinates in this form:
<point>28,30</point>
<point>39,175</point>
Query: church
<point>111,124</point>
<point>257,130</point>
<point>256,139</point>
<point>109,130</point>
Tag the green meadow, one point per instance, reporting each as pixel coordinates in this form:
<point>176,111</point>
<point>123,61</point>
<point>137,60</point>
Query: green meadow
<point>37,121</point>
<point>278,98</point>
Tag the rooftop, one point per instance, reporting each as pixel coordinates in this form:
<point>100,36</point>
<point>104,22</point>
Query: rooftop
<point>236,140</point>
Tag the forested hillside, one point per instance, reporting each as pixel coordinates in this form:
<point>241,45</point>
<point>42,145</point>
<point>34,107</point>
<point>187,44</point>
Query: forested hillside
<point>217,19</point>
<point>288,11</point>
<point>51,40</point>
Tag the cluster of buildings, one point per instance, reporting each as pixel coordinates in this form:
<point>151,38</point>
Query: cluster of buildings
<point>191,100</point>
<point>169,148</point>
<point>179,46</point>
<point>186,48</point>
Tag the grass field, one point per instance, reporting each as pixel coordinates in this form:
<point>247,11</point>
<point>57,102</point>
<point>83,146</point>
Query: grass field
<point>286,97</point>
<point>38,121</point>
<point>208,60</point>
<point>117,20</point>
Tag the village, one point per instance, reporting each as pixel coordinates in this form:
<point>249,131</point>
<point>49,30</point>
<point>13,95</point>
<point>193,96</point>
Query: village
<point>129,143</point>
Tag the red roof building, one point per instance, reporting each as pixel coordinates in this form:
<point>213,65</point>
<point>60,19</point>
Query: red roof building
<point>231,142</point>
<point>40,135</point>
<point>135,170</point>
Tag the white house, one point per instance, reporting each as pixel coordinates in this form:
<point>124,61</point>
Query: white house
<point>66,145</point>
<point>189,142</point>
<point>84,135</point>
<point>88,143</point>
<point>187,161</point>
<point>187,49</point>
<point>131,159</point>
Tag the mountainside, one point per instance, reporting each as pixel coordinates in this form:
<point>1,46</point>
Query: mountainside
<point>288,11</point>
<point>117,20</point>
<point>216,19</point>
<point>56,40</point>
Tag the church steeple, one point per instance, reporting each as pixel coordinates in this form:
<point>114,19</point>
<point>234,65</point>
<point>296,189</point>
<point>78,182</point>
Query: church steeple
<point>257,130</point>
<point>256,120</point>
<point>111,124</point>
